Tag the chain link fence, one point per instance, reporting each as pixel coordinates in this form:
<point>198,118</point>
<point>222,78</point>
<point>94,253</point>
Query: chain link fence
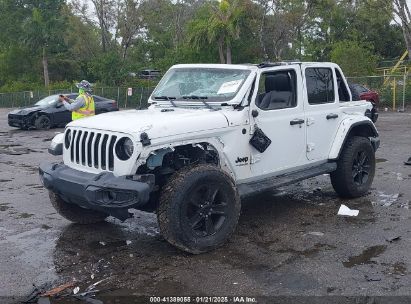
<point>125,97</point>
<point>394,90</point>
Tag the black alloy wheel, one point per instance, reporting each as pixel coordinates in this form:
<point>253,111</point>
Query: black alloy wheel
<point>206,209</point>
<point>361,168</point>
<point>42,122</point>
<point>198,208</point>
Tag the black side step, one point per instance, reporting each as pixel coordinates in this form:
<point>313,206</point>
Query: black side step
<point>284,179</point>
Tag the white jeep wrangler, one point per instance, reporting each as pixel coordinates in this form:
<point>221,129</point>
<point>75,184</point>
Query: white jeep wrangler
<point>213,134</point>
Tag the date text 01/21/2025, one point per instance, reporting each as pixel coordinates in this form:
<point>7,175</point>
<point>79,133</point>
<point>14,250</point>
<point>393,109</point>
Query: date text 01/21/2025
<point>203,299</point>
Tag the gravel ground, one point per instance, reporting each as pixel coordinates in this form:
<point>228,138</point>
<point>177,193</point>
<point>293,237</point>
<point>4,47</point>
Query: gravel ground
<point>288,242</point>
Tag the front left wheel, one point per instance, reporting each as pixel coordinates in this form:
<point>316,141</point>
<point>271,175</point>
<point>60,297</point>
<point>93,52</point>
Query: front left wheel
<point>198,208</point>
<point>42,122</point>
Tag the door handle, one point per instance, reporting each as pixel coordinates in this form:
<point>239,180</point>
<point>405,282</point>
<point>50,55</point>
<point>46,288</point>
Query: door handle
<point>297,121</point>
<point>332,116</point>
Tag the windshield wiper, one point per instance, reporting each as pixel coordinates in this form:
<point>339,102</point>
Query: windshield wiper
<point>201,98</point>
<point>168,98</point>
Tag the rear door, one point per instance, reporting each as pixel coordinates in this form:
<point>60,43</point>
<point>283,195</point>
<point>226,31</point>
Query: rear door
<point>321,108</point>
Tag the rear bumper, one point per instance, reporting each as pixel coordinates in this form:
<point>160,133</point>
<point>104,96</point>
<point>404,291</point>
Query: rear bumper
<point>103,192</point>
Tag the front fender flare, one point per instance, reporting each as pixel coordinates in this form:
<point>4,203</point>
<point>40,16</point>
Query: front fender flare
<point>361,126</point>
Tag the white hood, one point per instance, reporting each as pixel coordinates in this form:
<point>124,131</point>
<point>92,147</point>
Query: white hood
<point>155,122</point>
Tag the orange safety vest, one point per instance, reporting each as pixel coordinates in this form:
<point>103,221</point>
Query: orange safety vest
<point>87,110</point>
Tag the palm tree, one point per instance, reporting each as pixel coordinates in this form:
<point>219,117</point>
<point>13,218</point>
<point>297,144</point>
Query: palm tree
<point>220,25</point>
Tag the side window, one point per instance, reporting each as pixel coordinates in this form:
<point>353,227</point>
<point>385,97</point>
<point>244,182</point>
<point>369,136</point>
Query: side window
<point>320,85</point>
<point>277,90</point>
<point>342,88</point>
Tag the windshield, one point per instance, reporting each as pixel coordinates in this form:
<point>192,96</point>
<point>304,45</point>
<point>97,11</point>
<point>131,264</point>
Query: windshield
<point>47,101</point>
<point>205,83</point>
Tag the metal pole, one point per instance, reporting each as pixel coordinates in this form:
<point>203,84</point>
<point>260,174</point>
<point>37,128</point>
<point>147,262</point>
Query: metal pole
<point>393,94</point>
<point>403,91</point>
<point>141,95</point>
<point>118,95</point>
<point>125,105</point>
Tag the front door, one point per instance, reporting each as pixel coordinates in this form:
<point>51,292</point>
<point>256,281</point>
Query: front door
<point>322,111</point>
<point>279,114</point>
<point>62,116</point>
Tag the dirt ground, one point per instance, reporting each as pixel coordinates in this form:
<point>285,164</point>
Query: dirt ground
<point>288,242</point>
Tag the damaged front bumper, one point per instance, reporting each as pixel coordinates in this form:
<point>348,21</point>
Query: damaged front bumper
<point>19,121</point>
<point>102,192</point>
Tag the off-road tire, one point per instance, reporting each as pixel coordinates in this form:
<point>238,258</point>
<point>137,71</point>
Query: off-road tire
<point>345,181</point>
<point>174,203</point>
<point>75,213</point>
<point>42,122</point>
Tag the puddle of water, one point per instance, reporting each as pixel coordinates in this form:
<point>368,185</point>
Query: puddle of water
<point>380,160</point>
<point>307,252</point>
<point>4,207</point>
<point>102,244</point>
<point>25,215</point>
<point>9,146</point>
<point>15,151</point>
<point>365,257</point>
<point>399,268</point>
<point>386,200</point>
<point>141,223</point>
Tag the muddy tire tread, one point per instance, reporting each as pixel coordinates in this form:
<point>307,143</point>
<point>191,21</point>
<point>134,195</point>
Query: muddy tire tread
<point>166,198</point>
<point>344,168</point>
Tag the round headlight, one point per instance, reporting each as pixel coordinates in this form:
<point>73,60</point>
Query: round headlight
<point>124,148</point>
<point>67,139</point>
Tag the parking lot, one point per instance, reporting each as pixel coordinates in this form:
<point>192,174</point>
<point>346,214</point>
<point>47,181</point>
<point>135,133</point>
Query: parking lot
<point>289,241</point>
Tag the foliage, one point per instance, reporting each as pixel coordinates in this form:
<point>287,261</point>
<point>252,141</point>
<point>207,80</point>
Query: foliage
<point>103,41</point>
<point>18,86</point>
<point>353,58</point>
<point>107,68</point>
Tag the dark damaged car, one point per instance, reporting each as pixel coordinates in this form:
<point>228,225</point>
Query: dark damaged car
<point>49,112</point>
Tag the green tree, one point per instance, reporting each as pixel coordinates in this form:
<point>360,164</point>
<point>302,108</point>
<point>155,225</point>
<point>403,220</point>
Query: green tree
<point>219,24</point>
<point>353,58</point>
<point>44,29</point>
<point>108,69</point>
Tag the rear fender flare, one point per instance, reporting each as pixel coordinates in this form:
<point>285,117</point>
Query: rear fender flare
<point>353,126</point>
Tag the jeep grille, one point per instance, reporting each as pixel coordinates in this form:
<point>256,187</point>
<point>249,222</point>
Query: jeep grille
<point>92,149</point>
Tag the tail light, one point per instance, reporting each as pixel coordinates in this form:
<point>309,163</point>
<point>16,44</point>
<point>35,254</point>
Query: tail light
<point>114,103</point>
